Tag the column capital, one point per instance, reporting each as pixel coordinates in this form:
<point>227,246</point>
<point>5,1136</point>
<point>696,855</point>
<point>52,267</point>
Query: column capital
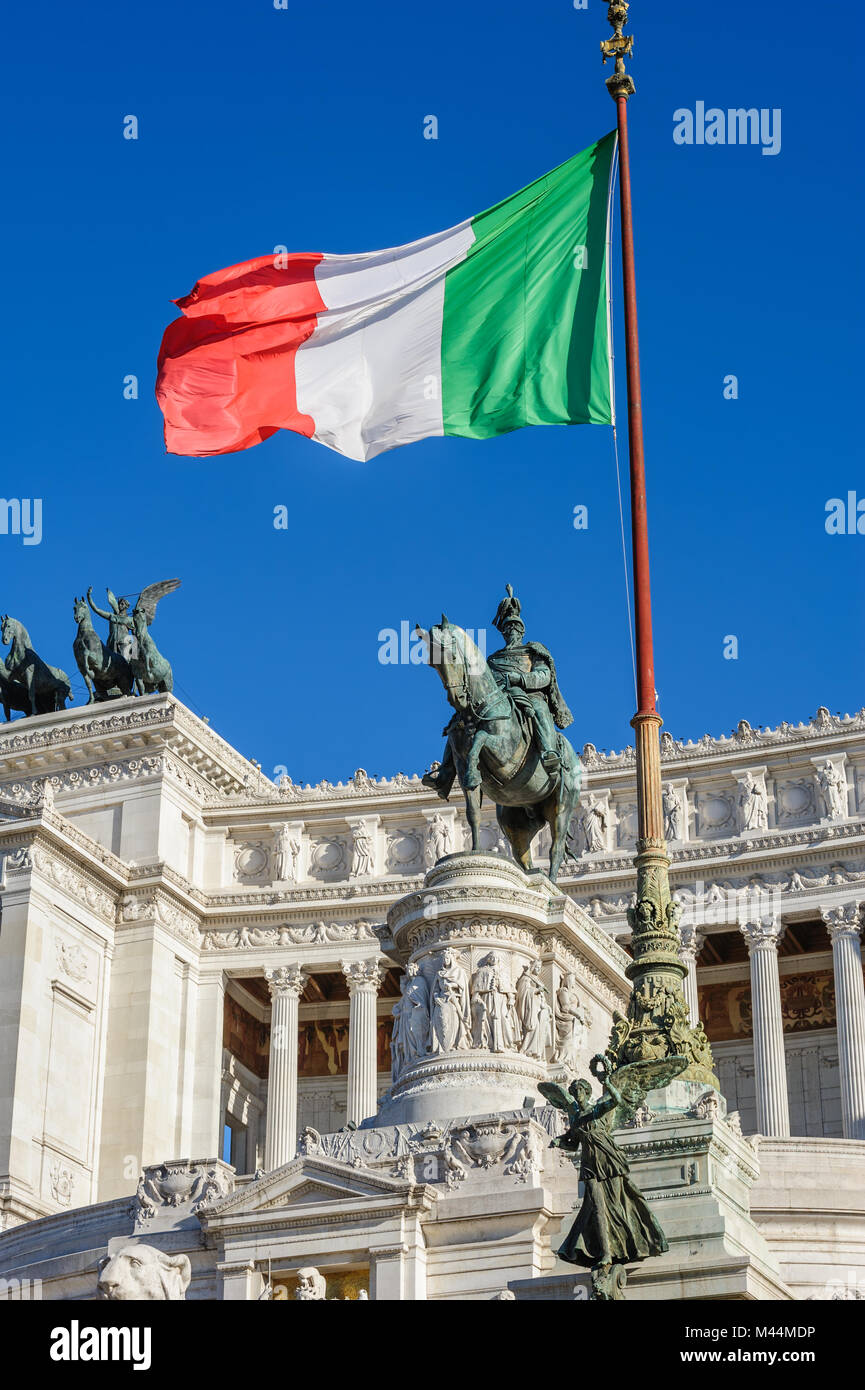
<point>763,935</point>
<point>843,920</point>
<point>691,940</point>
<point>362,975</point>
<point>286,980</point>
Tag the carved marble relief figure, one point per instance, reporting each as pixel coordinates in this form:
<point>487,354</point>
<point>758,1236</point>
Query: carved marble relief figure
<point>752,804</point>
<point>534,1013</point>
<point>672,813</point>
<point>415,1032</point>
<point>833,791</point>
<point>450,1006</point>
<point>594,826</point>
<point>494,1023</point>
<point>572,1024</point>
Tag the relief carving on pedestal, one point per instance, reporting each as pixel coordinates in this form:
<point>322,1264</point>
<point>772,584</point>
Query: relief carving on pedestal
<point>450,1015</point>
<point>572,1026</point>
<point>534,1013</point>
<point>494,1022</point>
<point>411,1030</point>
<point>452,1009</point>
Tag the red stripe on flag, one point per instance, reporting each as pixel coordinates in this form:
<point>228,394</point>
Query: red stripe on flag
<point>226,375</point>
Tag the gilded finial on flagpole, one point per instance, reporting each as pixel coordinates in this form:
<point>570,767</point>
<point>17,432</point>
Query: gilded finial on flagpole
<point>619,47</point>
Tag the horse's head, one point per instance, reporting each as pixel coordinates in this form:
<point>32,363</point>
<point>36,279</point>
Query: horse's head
<point>458,661</point>
<point>6,629</point>
<point>79,609</point>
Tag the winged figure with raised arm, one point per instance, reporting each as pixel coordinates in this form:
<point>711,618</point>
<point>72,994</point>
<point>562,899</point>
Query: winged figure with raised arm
<point>119,619</point>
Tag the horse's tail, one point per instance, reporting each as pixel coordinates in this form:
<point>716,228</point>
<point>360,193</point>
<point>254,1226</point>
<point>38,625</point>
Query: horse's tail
<point>571,762</point>
<point>62,683</point>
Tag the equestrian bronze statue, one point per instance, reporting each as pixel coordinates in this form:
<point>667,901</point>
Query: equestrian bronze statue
<point>503,740</point>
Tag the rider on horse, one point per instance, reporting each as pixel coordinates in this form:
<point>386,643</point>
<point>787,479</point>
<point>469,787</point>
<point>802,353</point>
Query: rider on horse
<point>528,672</point>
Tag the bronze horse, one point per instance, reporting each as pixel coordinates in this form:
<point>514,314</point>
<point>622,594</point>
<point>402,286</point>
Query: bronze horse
<point>106,673</point>
<point>27,683</point>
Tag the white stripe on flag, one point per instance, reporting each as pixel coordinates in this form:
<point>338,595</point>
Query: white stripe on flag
<point>370,375</point>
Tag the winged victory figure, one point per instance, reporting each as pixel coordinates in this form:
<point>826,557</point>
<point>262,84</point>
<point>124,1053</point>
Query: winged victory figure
<point>615,1225</point>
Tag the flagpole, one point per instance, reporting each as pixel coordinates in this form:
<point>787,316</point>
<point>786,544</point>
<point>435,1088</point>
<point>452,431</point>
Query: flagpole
<point>657,966</point>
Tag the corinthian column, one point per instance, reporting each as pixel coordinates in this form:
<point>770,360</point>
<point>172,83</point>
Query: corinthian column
<point>844,925</point>
<point>691,944</point>
<point>773,1110</point>
<point>286,985</point>
<point>364,978</point>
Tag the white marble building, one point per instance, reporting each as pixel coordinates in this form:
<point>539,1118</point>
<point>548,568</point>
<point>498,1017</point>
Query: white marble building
<point>196,961</point>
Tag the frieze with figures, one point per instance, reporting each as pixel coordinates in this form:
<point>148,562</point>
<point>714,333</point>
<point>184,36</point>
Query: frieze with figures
<point>312,934</point>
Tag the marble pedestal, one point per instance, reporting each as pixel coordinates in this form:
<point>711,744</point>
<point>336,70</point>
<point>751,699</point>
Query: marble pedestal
<point>466,938</point>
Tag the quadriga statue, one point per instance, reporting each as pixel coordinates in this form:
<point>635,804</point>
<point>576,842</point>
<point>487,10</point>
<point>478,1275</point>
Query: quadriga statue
<point>129,662</point>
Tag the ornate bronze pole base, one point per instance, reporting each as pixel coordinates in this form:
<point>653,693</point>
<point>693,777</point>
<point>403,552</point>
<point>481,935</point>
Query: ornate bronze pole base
<point>658,1023</point>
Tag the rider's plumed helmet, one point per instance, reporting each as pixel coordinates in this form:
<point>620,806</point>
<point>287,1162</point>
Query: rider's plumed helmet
<point>508,610</point>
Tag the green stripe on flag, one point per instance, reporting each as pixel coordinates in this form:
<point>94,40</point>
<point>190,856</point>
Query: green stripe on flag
<point>525,334</point>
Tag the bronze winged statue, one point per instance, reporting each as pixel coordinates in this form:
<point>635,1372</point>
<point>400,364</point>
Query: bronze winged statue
<point>615,1225</point>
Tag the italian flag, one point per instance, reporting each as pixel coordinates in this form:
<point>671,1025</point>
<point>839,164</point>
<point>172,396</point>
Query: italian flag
<point>500,322</point>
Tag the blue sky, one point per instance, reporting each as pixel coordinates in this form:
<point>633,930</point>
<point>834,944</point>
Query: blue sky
<point>304,127</point>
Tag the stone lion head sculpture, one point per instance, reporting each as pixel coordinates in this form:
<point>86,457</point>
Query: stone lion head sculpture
<point>142,1272</point>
